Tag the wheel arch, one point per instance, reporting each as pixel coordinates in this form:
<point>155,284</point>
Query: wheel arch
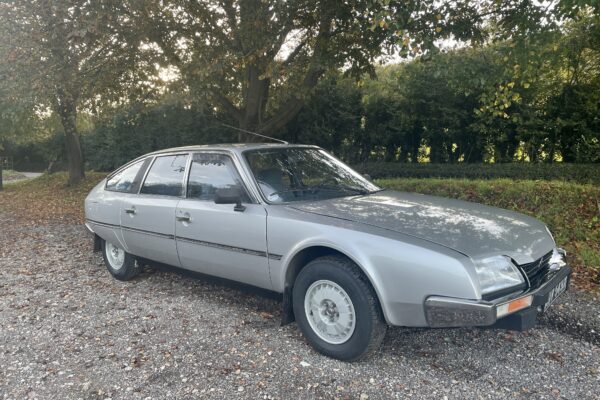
<point>299,260</point>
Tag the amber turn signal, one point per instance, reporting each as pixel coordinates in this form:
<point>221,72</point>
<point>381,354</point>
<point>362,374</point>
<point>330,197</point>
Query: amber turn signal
<point>512,306</point>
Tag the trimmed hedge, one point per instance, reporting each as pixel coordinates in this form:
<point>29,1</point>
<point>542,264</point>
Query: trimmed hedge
<point>580,173</point>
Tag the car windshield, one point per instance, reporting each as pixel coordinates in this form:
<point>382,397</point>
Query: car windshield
<point>300,174</point>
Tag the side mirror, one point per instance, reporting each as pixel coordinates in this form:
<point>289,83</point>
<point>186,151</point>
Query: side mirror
<point>367,177</point>
<point>231,195</point>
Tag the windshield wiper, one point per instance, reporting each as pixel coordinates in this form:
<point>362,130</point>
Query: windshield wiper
<point>317,188</point>
<point>291,190</point>
<point>343,188</point>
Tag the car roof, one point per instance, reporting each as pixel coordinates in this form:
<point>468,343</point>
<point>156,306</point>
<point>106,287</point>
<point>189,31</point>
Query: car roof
<point>235,147</point>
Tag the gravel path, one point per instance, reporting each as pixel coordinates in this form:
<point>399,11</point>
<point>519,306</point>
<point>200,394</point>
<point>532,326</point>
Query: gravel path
<point>68,330</point>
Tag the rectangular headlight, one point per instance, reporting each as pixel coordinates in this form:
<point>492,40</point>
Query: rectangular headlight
<point>497,273</point>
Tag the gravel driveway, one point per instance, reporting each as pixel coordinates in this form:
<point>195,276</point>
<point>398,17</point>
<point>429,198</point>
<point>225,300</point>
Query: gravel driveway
<point>69,330</point>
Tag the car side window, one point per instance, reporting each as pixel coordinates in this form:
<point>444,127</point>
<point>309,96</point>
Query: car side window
<point>165,176</point>
<point>210,172</point>
<point>124,180</point>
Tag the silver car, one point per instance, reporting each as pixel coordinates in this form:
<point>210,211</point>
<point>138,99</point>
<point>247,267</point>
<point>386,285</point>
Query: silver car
<point>349,257</point>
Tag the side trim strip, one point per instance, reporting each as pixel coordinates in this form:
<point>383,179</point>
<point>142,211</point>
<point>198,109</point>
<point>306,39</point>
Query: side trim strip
<point>257,253</point>
<point>91,221</point>
<point>223,247</point>
<point>243,250</point>
<point>151,233</point>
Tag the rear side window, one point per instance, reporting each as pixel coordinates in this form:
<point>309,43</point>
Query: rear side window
<point>165,177</point>
<point>124,180</point>
<point>210,172</point>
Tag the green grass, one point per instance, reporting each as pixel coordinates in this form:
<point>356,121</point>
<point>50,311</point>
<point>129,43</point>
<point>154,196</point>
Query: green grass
<point>571,210</point>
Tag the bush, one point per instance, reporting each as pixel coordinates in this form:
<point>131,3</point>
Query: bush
<point>580,173</point>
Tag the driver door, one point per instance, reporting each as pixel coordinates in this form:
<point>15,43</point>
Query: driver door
<point>215,239</point>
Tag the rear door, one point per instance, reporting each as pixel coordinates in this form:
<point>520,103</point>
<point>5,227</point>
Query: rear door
<point>148,218</point>
<point>214,238</point>
<point>104,207</point>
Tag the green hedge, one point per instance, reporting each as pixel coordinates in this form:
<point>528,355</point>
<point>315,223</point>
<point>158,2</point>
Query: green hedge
<point>580,173</point>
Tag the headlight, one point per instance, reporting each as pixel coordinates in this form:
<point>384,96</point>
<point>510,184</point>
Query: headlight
<point>497,273</point>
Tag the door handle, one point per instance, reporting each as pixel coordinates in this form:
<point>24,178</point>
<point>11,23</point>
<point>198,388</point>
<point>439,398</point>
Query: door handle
<point>130,210</point>
<point>184,218</point>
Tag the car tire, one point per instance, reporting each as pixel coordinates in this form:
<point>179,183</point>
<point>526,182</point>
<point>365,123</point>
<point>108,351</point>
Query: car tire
<point>122,265</point>
<point>337,309</point>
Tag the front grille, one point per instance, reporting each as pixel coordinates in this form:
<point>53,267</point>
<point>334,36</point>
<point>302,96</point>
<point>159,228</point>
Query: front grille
<point>536,271</point>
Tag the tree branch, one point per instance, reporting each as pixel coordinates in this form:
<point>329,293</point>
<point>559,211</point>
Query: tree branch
<point>292,107</point>
<point>224,102</point>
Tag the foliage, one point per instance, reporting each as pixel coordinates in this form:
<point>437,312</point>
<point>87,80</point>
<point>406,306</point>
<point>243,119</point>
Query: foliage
<point>464,105</point>
<point>447,108</point>
<point>258,61</point>
<point>579,173</point>
<point>331,118</point>
<point>136,76</point>
<point>140,129</point>
<point>549,201</point>
<point>61,56</point>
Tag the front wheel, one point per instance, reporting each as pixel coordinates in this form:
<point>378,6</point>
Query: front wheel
<point>122,265</point>
<point>337,309</point>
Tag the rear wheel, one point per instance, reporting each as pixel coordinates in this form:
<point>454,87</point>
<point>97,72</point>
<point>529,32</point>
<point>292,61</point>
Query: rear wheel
<point>122,265</point>
<point>337,309</point>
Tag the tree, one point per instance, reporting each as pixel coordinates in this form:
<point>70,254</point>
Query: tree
<point>260,60</point>
<point>61,56</point>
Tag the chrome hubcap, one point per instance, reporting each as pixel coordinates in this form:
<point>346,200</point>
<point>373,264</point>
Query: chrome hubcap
<point>330,311</point>
<point>115,256</point>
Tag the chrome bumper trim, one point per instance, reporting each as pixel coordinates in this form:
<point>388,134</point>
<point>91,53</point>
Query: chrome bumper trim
<point>89,228</point>
<point>447,312</point>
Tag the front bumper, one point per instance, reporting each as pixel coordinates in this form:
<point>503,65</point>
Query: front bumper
<point>97,239</point>
<point>446,312</point>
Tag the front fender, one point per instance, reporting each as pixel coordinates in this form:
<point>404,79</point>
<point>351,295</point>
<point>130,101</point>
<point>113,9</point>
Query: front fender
<point>403,271</point>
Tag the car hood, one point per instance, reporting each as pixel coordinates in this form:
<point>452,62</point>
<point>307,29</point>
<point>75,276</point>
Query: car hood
<point>473,229</point>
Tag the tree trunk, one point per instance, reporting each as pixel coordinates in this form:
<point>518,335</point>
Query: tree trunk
<point>255,97</point>
<point>67,110</point>
<point>75,156</point>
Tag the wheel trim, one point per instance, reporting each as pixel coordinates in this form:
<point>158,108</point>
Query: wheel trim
<point>115,256</point>
<point>329,311</point>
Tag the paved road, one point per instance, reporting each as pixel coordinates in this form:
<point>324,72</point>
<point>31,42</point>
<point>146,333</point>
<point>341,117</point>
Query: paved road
<point>68,330</point>
<point>28,175</point>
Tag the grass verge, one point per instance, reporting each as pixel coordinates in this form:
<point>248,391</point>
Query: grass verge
<point>571,210</point>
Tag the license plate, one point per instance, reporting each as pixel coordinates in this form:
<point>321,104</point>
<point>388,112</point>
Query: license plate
<point>555,292</point>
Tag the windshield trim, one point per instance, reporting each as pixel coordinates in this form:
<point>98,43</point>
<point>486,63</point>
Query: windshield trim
<point>307,146</point>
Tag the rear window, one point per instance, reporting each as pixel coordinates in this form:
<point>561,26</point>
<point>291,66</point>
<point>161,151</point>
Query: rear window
<point>124,180</point>
<point>165,177</point>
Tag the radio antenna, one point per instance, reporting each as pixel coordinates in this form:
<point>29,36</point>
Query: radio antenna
<point>254,133</point>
